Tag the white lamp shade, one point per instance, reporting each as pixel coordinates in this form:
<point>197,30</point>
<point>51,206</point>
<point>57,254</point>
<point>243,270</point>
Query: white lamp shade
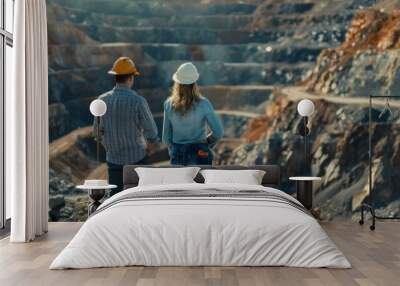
<point>98,107</point>
<point>305,107</point>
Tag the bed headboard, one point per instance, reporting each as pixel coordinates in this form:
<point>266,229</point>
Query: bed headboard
<point>272,177</point>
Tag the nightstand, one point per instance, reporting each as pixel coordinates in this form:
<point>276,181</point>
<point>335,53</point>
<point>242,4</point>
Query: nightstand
<point>305,190</point>
<point>96,191</point>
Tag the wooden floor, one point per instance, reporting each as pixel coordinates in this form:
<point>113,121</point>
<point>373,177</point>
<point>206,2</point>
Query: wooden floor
<point>375,257</point>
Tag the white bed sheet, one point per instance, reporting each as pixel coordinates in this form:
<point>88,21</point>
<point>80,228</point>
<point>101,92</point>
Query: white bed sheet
<point>200,232</point>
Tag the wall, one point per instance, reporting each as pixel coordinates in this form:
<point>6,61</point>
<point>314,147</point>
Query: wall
<point>257,58</point>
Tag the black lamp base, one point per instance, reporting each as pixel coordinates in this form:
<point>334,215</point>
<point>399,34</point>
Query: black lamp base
<point>96,196</point>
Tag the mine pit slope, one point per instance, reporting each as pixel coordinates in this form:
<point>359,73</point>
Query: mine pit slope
<point>245,51</point>
<point>365,63</point>
<point>297,93</point>
<point>234,44</point>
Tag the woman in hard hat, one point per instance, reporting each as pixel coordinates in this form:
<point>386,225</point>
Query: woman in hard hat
<point>187,117</point>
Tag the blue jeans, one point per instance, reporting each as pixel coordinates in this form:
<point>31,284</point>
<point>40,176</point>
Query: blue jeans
<point>190,154</point>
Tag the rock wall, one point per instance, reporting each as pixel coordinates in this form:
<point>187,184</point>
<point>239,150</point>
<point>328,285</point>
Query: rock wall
<point>234,43</point>
<point>247,52</point>
<point>339,128</point>
<point>369,56</point>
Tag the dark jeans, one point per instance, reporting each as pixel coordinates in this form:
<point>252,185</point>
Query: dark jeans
<point>115,175</point>
<point>190,154</point>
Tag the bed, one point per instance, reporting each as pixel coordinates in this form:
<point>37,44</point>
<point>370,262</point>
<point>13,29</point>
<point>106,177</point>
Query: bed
<point>201,224</point>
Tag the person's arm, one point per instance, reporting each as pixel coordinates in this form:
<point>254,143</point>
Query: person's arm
<point>146,121</point>
<point>214,122</point>
<point>167,126</point>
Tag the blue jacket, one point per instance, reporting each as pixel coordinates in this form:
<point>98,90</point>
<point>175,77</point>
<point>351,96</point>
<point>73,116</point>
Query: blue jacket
<point>191,127</point>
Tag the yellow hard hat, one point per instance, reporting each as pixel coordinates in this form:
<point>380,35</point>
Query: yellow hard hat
<point>122,66</point>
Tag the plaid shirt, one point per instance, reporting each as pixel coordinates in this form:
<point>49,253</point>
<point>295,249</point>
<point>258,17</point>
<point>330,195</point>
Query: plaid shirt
<point>127,125</point>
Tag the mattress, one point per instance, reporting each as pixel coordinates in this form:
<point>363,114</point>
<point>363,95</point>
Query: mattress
<point>201,225</point>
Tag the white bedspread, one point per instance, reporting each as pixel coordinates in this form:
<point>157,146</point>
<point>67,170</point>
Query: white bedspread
<point>200,231</point>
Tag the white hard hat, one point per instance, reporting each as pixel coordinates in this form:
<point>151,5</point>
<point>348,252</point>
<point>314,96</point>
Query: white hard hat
<point>186,74</point>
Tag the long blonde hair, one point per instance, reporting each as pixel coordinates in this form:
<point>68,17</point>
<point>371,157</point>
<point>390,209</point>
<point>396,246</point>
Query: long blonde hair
<point>184,97</point>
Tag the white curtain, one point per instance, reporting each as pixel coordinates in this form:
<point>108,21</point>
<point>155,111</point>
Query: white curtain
<point>27,124</point>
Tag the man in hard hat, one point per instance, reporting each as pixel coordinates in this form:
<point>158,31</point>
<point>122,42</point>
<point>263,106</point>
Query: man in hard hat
<point>129,132</point>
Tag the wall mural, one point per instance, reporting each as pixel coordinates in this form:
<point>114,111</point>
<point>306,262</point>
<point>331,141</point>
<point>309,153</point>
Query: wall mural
<point>257,59</point>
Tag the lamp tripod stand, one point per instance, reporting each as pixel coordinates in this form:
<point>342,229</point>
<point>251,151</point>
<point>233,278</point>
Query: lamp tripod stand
<point>370,205</point>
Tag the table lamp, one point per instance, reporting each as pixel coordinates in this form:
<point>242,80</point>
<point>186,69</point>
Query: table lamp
<point>98,108</point>
<point>305,108</point>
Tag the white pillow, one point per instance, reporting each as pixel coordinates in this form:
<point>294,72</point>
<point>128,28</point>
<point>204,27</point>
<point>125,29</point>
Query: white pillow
<point>166,176</point>
<point>248,177</point>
